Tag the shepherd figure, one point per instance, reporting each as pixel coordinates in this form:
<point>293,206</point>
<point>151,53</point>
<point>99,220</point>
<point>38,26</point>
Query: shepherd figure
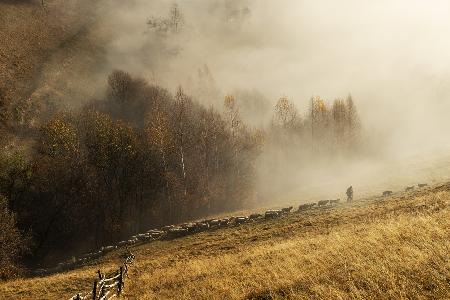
<point>350,194</point>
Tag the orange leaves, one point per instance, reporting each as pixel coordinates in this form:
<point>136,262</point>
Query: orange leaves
<point>319,107</point>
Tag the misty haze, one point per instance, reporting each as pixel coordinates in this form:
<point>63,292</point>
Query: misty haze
<point>224,149</point>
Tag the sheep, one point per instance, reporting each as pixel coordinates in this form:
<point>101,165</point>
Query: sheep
<point>214,223</point>
<point>96,254</point>
<point>167,228</point>
<point>387,193</point>
<point>190,227</point>
<point>306,206</point>
<point>122,243</point>
<point>286,210</point>
<point>255,216</point>
<point>273,213</point>
<point>409,188</point>
<point>241,219</point>
<point>88,255</point>
<point>131,241</point>
<point>155,234</point>
<point>176,232</point>
<point>107,249</point>
<point>335,201</point>
<point>421,185</point>
<point>224,222</point>
<point>323,202</point>
<point>145,236</point>
<point>200,226</point>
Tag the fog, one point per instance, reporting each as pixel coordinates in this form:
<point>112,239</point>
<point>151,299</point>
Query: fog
<point>392,56</point>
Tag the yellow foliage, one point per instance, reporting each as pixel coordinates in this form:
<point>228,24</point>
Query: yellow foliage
<point>230,101</point>
<point>59,138</point>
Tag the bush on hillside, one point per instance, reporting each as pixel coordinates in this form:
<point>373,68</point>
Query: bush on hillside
<point>13,244</point>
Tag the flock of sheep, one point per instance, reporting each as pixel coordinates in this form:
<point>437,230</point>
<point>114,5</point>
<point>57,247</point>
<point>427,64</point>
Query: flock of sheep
<point>407,189</point>
<point>175,231</point>
<point>167,233</point>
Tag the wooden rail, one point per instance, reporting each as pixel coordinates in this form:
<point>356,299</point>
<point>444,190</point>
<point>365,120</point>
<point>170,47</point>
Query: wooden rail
<point>108,286</point>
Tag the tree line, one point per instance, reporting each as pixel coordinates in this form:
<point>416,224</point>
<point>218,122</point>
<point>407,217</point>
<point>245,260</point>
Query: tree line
<point>325,130</point>
<point>142,157</point>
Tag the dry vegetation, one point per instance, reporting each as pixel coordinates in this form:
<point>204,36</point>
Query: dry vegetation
<point>29,35</point>
<point>393,248</point>
<point>33,38</point>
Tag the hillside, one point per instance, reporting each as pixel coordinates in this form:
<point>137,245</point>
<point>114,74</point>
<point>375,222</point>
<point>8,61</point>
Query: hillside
<point>42,53</point>
<point>107,129</point>
<point>377,248</point>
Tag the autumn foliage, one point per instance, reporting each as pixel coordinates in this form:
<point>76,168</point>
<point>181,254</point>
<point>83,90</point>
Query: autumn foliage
<point>139,158</point>
<point>325,130</point>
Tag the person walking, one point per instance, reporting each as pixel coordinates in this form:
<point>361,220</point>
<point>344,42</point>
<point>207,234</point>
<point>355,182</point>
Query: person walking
<point>350,194</point>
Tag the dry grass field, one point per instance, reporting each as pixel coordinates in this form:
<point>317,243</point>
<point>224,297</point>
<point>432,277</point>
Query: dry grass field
<point>378,248</point>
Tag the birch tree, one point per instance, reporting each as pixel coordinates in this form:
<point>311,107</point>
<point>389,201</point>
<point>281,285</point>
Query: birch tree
<point>182,104</point>
<point>160,136</point>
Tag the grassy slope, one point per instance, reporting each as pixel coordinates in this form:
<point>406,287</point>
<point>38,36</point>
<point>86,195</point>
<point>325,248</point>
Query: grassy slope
<point>394,248</point>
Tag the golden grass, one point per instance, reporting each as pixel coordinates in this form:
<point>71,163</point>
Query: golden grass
<point>379,249</point>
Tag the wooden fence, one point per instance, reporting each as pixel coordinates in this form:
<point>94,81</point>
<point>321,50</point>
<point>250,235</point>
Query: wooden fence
<point>108,286</point>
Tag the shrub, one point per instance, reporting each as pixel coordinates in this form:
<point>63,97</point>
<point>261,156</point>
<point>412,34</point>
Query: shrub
<point>13,244</point>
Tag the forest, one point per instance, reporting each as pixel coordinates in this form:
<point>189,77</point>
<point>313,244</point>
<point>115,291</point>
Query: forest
<point>140,156</point>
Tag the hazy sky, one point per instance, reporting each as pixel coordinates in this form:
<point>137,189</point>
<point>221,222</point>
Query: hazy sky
<point>393,56</point>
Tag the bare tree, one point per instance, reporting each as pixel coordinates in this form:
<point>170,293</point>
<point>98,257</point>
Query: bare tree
<point>176,18</point>
<point>171,24</point>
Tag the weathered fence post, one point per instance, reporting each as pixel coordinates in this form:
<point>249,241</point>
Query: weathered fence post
<point>102,292</point>
<point>101,289</point>
<point>120,284</point>
<point>94,290</point>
